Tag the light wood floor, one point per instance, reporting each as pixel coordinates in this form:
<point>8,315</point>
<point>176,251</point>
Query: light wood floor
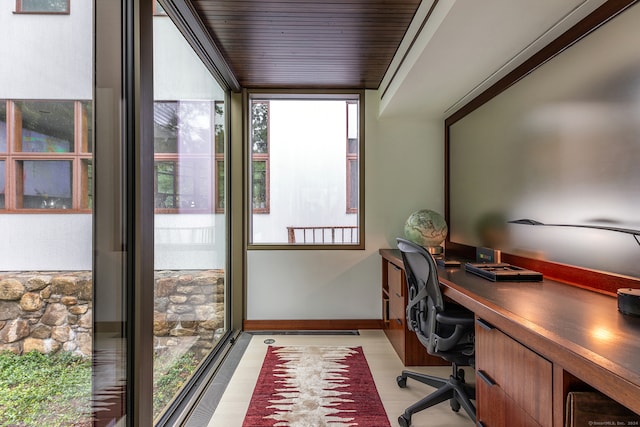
<point>385,366</point>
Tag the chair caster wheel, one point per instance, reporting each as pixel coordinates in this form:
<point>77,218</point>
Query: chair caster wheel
<point>455,405</point>
<point>403,421</point>
<point>402,381</point>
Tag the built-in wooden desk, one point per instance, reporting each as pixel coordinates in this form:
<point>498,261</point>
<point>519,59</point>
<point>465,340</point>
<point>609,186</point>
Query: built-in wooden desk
<point>579,332</point>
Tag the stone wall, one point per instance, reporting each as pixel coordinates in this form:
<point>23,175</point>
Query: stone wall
<point>52,311</point>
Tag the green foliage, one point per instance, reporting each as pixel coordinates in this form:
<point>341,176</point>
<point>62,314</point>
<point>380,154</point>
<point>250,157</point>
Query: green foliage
<point>169,376</point>
<point>55,390</point>
<point>44,390</point>
<point>260,126</point>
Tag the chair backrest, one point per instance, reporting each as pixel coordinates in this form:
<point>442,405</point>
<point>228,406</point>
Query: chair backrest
<point>424,295</point>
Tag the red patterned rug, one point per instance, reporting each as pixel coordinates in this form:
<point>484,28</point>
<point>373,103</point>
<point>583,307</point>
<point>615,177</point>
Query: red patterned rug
<point>314,386</point>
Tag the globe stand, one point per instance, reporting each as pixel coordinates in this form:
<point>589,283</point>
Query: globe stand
<point>436,251</point>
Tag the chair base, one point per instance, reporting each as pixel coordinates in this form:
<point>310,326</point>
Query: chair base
<point>455,390</point>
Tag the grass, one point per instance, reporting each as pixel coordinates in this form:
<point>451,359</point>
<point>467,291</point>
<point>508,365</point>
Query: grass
<point>39,390</point>
<point>55,390</point>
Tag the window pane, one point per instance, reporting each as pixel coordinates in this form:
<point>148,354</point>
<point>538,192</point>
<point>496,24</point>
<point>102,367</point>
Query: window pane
<point>45,6</point>
<point>87,184</point>
<point>183,184</point>
<point>259,187</point>
<point>183,127</point>
<point>2,170</point>
<point>87,126</point>
<point>353,185</point>
<point>259,127</point>
<point>3,126</point>
<point>220,195</point>
<point>219,121</point>
<point>165,127</point>
<point>47,126</point>
<point>46,184</point>
<point>299,151</point>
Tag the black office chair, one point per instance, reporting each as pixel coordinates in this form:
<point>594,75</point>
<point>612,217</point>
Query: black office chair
<point>446,332</point>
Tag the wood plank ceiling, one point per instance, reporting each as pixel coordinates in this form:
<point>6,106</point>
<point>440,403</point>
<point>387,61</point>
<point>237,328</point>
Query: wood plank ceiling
<point>307,43</point>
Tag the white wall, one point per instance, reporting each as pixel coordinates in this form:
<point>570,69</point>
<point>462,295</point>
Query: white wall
<point>46,56</point>
<point>404,170</point>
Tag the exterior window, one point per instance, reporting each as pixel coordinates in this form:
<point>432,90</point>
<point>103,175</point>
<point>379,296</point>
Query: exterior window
<point>46,155</point>
<point>299,183</point>
<point>47,126</point>
<point>219,125</point>
<point>2,181</point>
<point>183,145</point>
<point>3,126</point>
<point>44,184</point>
<point>260,156</point>
<point>42,6</point>
<point>352,157</point>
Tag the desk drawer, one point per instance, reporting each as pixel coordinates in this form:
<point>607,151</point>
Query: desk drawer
<point>521,374</point>
<point>498,409</point>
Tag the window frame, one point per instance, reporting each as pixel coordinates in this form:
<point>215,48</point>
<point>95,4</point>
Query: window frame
<point>80,157</point>
<point>355,96</point>
<point>41,12</point>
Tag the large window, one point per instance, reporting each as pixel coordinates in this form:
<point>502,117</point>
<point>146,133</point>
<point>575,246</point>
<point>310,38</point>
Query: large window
<point>299,183</point>
<point>46,155</point>
<point>42,6</point>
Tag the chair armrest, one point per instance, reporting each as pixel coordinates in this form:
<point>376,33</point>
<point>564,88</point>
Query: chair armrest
<point>455,318</point>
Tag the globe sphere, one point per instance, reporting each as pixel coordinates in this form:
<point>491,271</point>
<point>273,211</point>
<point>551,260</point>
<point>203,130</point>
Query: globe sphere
<point>426,228</point>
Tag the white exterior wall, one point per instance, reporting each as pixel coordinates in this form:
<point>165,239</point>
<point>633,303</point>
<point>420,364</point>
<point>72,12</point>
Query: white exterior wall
<point>404,168</point>
<point>45,242</point>
<point>46,56</point>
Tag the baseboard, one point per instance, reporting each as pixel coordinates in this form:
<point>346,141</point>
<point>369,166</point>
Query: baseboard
<point>308,325</point>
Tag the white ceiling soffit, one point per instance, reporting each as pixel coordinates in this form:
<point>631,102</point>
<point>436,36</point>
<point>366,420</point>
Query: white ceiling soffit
<point>455,49</point>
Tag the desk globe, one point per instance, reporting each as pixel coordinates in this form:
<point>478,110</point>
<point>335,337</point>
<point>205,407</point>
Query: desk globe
<point>426,228</point>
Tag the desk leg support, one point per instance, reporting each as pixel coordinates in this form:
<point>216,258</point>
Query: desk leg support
<point>563,383</point>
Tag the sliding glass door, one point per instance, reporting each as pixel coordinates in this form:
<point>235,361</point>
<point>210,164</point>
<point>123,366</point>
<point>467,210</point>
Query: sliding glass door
<point>189,138</point>
<point>161,225</point>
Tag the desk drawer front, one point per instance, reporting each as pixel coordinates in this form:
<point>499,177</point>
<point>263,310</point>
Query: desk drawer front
<point>497,409</point>
<point>521,374</point>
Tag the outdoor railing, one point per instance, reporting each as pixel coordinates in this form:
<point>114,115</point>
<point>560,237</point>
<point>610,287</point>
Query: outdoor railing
<point>323,234</point>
